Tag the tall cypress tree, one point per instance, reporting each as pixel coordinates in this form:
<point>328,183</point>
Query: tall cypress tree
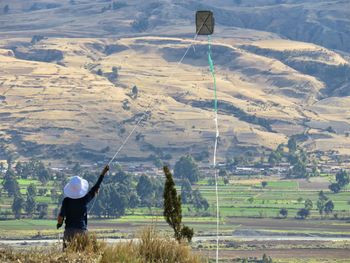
<point>172,209</point>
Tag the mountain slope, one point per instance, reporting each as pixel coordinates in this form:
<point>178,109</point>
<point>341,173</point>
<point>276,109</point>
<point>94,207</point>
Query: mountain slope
<point>71,98</point>
<point>73,109</point>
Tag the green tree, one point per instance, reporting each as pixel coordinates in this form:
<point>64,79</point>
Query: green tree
<point>330,129</point>
<point>172,209</point>
<point>54,195</point>
<point>226,181</point>
<point>251,199</point>
<point>10,183</point>
<point>20,170</point>
<point>30,205</point>
<point>187,168</point>
<point>274,158</point>
<point>31,190</point>
<point>308,204</point>
<point>6,9</point>
<point>113,76</point>
<point>76,169</point>
<point>299,168</point>
<point>135,92</point>
<point>342,178</point>
<point>334,187</point>
<point>328,207</point>
<point>283,212</point>
<point>157,162</point>
<point>42,191</point>
<point>140,24</point>
<point>315,171</point>
<point>42,209</point>
<point>36,39</point>
<point>98,208</point>
<point>303,213</point>
<point>186,191</point>
<point>321,202</point>
<point>144,189</point>
<point>118,200</point>
<point>134,200</point>
<point>222,172</point>
<point>17,205</point>
<point>263,184</point>
<point>292,145</point>
<point>266,259</point>
<point>114,199</point>
<point>99,72</point>
<point>198,201</point>
<point>42,173</point>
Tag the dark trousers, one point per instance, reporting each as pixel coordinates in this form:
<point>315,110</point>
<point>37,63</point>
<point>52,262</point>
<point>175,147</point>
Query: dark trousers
<point>70,234</point>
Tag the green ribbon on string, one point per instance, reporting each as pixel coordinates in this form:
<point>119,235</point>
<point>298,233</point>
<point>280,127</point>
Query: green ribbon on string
<point>212,70</point>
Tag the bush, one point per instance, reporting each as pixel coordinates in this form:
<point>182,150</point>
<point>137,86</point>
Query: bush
<point>334,187</point>
<point>36,39</point>
<point>140,24</point>
<point>153,248</point>
<point>85,243</point>
<point>283,212</point>
<point>303,213</point>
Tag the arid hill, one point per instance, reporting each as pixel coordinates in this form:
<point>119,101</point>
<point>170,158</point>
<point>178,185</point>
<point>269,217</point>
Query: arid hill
<point>68,73</point>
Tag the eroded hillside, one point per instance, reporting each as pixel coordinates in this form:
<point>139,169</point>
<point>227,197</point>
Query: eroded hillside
<point>80,103</point>
<point>68,73</point>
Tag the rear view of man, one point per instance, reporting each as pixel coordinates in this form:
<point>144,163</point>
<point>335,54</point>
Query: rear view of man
<point>74,206</point>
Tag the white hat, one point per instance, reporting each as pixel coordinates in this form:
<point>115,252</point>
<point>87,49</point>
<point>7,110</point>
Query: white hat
<point>76,188</point>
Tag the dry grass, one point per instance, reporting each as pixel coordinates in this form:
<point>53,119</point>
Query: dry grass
<point>69,103</point>
<point>150,247</point>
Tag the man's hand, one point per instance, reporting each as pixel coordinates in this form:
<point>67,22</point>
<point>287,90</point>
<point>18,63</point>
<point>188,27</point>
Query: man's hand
<point>105,170</point>
<point>59,222</point>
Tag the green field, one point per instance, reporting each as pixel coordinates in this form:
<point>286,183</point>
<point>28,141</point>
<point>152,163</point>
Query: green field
<point>246,208</point>
<point>241,198</point>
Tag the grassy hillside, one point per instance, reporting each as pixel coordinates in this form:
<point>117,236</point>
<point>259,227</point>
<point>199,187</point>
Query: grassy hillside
<point>71,98</point>
<point>68,70</point>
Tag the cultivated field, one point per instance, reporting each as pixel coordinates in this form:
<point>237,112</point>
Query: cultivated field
<point>248,227</point>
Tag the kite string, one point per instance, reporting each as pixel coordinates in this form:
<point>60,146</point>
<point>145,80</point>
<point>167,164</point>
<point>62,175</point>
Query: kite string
<point>148,108</point>
<point>212,70</point>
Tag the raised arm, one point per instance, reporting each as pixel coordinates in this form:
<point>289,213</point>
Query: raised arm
<point>93,191</point>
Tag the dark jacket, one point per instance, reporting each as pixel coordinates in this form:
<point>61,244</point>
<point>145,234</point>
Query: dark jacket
<point>75,210</point>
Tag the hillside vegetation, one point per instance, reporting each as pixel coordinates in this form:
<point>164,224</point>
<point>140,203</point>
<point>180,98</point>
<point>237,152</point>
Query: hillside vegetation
<point>78,98</point>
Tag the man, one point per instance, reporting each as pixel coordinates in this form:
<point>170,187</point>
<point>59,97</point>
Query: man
<point>74,206</point>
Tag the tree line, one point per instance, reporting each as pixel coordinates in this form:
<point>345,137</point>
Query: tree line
<point>120,193</point>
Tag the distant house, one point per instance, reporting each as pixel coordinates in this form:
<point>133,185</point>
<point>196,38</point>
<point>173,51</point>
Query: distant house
<point>240,170</point>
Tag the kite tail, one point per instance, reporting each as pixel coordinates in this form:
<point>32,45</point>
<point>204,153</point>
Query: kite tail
<point>212,70</point>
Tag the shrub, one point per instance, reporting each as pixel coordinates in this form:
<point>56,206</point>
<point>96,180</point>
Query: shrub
<point>85,243</point>
<point>154,248</point>
<point>283,212</point>
<point>303,213</point>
